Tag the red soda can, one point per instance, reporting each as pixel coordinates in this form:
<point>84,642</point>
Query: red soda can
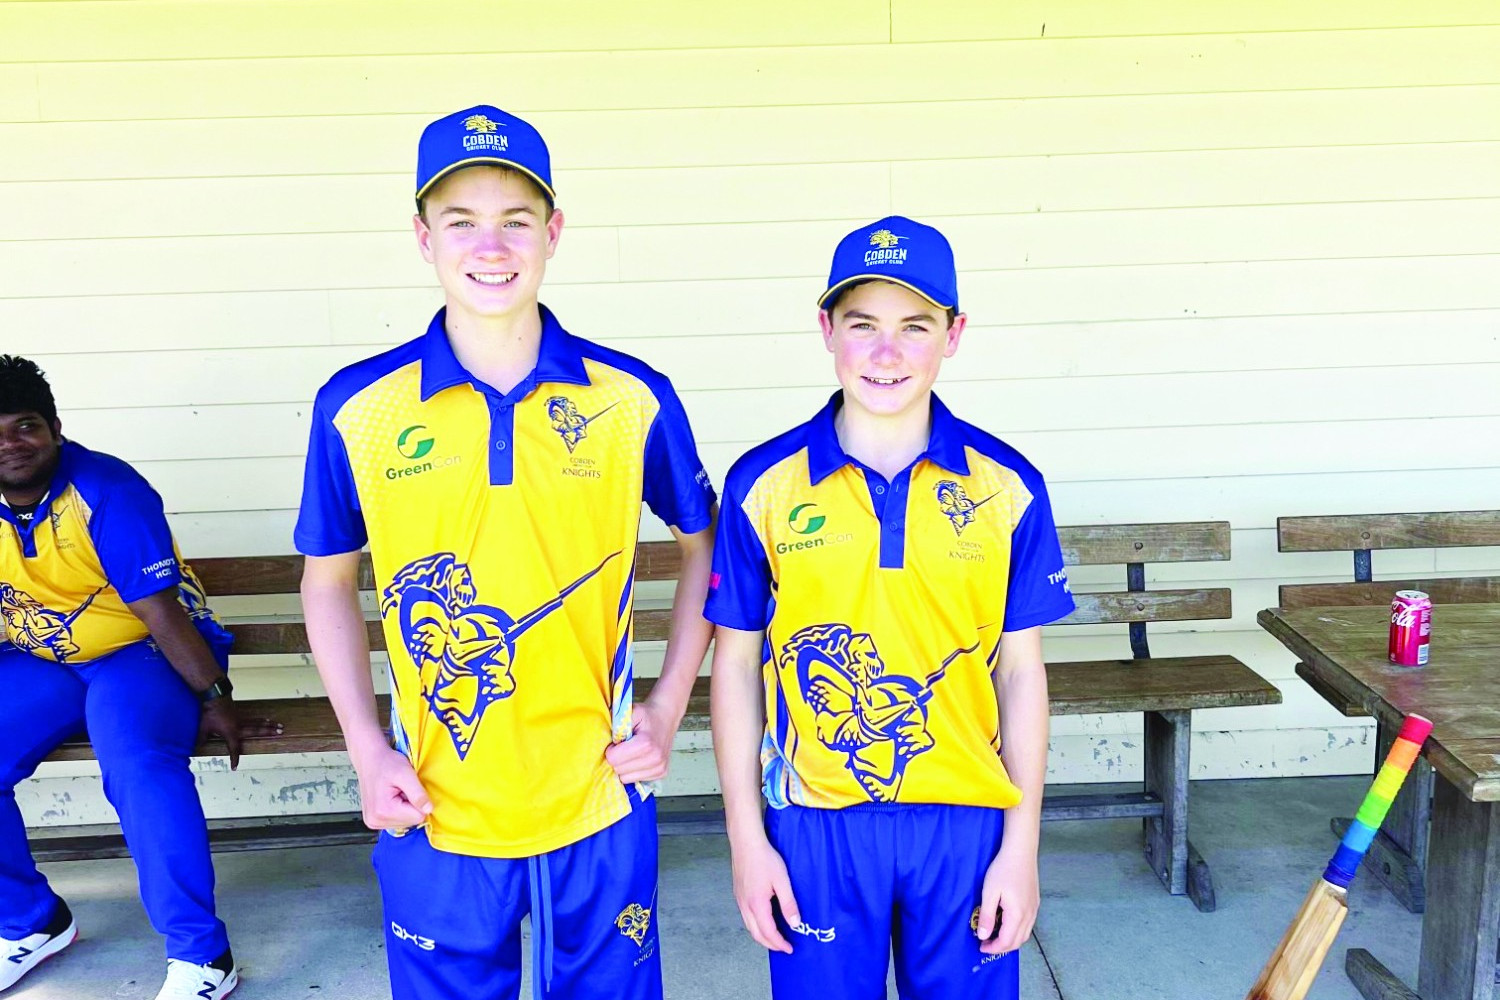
<point>1411,628</point>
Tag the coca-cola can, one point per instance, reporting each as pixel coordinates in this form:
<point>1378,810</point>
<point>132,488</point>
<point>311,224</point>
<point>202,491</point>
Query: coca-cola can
<point>1411,628</point>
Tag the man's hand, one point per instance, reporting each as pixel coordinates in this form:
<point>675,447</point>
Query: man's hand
<point>1011,886</point>
<point>645,756</point>
<point>391,795</point>
<point>760,875</point>
<point>219,718</point>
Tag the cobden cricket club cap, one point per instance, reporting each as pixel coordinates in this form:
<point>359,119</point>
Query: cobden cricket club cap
<point>899,250</point>
<point>482,134</point>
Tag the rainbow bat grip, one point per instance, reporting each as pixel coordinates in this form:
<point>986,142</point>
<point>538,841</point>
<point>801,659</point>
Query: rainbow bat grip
<point>1361,832</point>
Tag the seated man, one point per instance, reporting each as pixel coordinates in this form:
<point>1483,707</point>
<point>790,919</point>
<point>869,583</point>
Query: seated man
<point>105,628</point>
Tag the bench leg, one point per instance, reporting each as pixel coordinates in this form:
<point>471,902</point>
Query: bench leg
<point>1181,869</point>
<point>1398,857</point>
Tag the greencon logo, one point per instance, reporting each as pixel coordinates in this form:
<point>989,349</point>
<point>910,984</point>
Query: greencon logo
<point>413,449</point>
<point>814,521</point>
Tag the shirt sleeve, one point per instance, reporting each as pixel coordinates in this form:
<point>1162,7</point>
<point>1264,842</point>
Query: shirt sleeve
<point>1038,592</point>
<point>128,525</point>
<point>739,586</point>
<point>676,487</point>
<point>330,520</point>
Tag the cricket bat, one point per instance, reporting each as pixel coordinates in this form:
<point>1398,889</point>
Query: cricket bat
<point>1295,962</point>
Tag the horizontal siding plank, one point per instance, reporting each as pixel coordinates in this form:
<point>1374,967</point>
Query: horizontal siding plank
<point>385,143</point>
<point>1203,178</point>
<point>18,93</point>
<point>238,29</point>
<point>232,206</point>
<point>256,263</point>
<point>922,20</point>
<point>1107,455</point>
<point>735,252</point>
<point>1256,500</point>
<point>1022,324</point>
<point>257,402</point>
<point>622,79</point>
<point>1087,239</point>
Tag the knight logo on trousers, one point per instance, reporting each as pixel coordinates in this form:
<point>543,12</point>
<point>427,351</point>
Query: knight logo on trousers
<point>887,250</point>
<point>633,922</point>
<point>485,135</point>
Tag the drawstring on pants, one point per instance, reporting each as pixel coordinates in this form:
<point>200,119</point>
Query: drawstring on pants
<point>540,876</point>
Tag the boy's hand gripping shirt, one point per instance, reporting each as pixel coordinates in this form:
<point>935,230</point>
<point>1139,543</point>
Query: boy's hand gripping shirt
<point>503,530</point>
<point>883,605</point>
<point>97,541</point>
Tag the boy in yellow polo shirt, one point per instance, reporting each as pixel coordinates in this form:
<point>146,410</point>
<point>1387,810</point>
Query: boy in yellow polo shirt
<point>496,466</point>
<point>881,576</point>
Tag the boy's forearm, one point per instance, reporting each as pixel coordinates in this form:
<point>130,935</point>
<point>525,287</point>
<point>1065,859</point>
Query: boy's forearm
<point>690,631</point>
<point>1021,691</point>
<point>341,651</point>
<point>737,706</point>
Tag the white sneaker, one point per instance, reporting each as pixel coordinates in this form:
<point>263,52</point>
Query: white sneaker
<point>19,957</point>
<point>186,981</point>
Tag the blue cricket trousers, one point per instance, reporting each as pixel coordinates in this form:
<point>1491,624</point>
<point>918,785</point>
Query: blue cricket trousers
<point>143,722</point>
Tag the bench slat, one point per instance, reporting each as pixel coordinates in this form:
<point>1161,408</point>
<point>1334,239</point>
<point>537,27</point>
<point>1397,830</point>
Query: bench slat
<point>1464,590</point>
<point>1112,544</point>
<point>1076,688</point>
<point>1150,606</point>
<point>1165,684</point>
<point>1388,531</point>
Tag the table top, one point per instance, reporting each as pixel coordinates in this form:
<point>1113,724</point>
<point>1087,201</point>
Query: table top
<point>1459,689</point>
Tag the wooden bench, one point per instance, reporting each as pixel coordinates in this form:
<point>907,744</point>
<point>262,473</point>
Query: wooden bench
<point>1398,857</point>
<point>1165,690</point>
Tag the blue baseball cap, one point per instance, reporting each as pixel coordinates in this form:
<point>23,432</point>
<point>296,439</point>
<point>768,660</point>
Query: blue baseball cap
<point>482,134</point>
<point>898,250</point>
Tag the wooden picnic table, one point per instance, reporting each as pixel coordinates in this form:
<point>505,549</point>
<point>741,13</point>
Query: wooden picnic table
<point>1459,690</point>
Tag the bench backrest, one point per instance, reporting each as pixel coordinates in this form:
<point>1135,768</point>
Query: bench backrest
<point>1362,534</point>
<point>1130,545</point>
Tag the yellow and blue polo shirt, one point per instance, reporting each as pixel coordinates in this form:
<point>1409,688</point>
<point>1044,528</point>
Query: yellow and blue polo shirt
<point>883,605</point>
<point>98,541</point>
<point>502,527</point>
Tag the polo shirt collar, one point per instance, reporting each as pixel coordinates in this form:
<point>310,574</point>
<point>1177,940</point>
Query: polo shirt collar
<point>825,456</point>
<point>559,359</point>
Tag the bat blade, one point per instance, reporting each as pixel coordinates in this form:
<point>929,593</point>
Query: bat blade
<point>1294,964</point>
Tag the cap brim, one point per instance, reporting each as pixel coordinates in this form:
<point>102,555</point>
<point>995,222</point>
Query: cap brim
<point>493,161</point>
<point>834,289</point>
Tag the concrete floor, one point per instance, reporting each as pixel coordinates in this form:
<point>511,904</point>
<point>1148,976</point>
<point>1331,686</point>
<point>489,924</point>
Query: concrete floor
<point>306,924</point>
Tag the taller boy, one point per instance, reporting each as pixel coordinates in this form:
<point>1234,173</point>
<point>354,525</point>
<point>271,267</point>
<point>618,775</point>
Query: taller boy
<point>880,579</point>
<point>496,465</point>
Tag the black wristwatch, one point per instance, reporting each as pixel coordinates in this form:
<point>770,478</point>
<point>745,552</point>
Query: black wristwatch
<point>218,689</point>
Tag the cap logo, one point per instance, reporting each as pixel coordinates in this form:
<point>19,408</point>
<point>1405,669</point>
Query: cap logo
<point>887,251</point>
<point>485,137</point>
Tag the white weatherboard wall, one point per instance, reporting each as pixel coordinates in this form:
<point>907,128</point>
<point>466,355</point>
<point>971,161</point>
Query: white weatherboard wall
<point>1222,261</point>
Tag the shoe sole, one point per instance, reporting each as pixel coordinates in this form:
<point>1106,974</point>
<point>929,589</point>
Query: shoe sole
<point>45,952</point>
<point>232,981</point>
